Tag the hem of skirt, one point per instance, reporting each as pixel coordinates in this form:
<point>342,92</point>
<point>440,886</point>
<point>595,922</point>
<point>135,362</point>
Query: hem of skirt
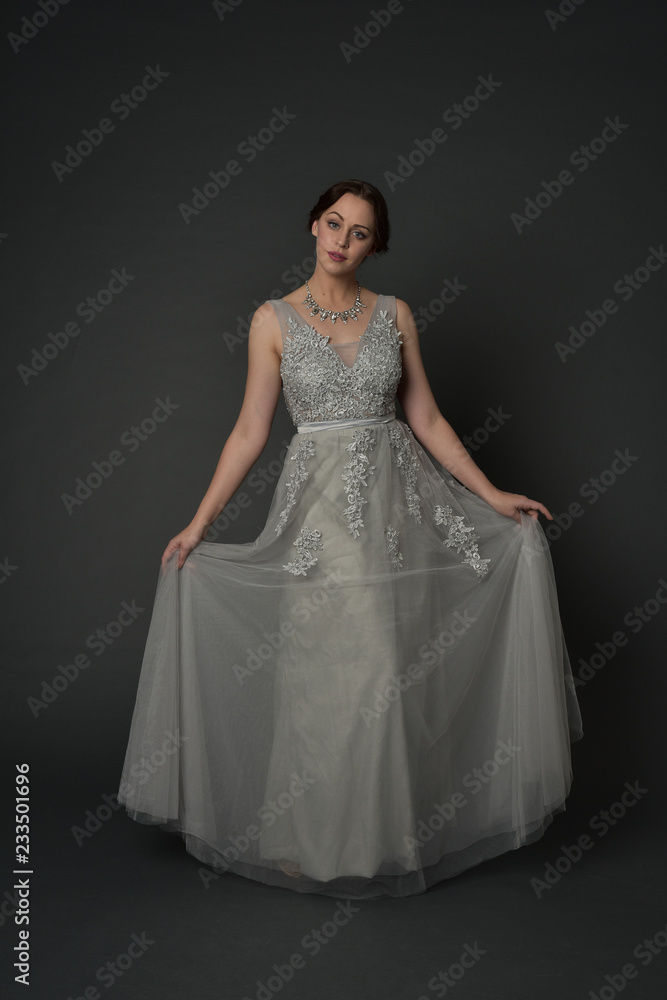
<point>397,884</point>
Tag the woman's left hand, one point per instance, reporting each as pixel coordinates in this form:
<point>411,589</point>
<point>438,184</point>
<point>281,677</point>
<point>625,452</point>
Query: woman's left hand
<point>510,504</point>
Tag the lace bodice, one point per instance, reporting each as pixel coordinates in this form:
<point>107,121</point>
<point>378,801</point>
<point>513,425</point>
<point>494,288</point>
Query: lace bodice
<point>318,383</point>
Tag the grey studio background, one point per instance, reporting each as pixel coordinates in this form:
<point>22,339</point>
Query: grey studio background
<point>521,150</point>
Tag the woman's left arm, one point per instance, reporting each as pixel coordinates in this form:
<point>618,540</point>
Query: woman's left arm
<point>437,435</point>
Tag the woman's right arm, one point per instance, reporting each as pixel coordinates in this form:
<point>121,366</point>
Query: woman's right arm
<point>249,435</point>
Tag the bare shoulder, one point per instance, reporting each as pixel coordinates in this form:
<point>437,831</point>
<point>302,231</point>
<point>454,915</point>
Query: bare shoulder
<point>265,328</point>
<point>296,297</point>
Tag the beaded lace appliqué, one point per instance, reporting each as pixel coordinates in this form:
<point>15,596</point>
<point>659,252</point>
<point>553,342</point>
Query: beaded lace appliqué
<point>392,547</point>
<point>408,463</point>
<point>355,470</point>
<point>462,537</point>
<point>305,449</point>
<point>318,385</point>
<point>307,540</point>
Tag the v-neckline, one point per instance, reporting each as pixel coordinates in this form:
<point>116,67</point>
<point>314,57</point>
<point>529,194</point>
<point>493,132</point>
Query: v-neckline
<point>326,337</point>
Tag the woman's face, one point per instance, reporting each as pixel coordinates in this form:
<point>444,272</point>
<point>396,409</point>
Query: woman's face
<point>345,234</point>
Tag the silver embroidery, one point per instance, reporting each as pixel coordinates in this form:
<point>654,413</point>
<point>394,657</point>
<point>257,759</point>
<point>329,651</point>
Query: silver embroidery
<point>392,547</point>
<point>305,449</point>
<point>462,537</point>
<point>318,385</point>
<point>408,463</point>
<point>356,469</point>
<point>307,540</point>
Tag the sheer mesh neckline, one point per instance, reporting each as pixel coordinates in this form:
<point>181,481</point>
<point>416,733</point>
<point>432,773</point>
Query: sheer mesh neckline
<point>326,336</point>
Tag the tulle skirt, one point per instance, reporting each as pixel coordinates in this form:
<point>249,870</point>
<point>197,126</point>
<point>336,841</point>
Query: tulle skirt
<point>372,696</point>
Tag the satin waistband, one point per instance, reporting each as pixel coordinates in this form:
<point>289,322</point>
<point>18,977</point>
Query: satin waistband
<point>325,425</point>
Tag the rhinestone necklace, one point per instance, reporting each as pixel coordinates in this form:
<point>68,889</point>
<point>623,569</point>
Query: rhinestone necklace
<point>346,314</point>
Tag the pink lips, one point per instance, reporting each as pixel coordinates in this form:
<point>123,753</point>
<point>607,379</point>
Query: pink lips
<point>336,256</point>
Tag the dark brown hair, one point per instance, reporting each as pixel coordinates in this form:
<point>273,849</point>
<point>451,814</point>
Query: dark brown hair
<point>362,189</point>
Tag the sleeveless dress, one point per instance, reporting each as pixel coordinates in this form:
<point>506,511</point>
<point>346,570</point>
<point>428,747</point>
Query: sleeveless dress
<point>375,694</point>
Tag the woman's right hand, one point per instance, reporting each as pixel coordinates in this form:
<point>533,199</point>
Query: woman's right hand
<point>184,543</point>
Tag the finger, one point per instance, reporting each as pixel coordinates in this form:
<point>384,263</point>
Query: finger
<point>540,506</point>
<point>168,552</point>
<point>530,505</point>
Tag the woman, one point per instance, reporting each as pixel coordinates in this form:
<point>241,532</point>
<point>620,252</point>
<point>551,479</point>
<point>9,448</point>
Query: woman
<point>375,694</point>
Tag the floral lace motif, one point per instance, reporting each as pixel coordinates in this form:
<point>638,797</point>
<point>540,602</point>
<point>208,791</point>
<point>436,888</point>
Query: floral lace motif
<point>305,449</point>
<point>392,547</point>
<point>357,468</point>
<point>306,542</point>
<point>318,385</point>
<point>462,537</point>
<point>408,463</point>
